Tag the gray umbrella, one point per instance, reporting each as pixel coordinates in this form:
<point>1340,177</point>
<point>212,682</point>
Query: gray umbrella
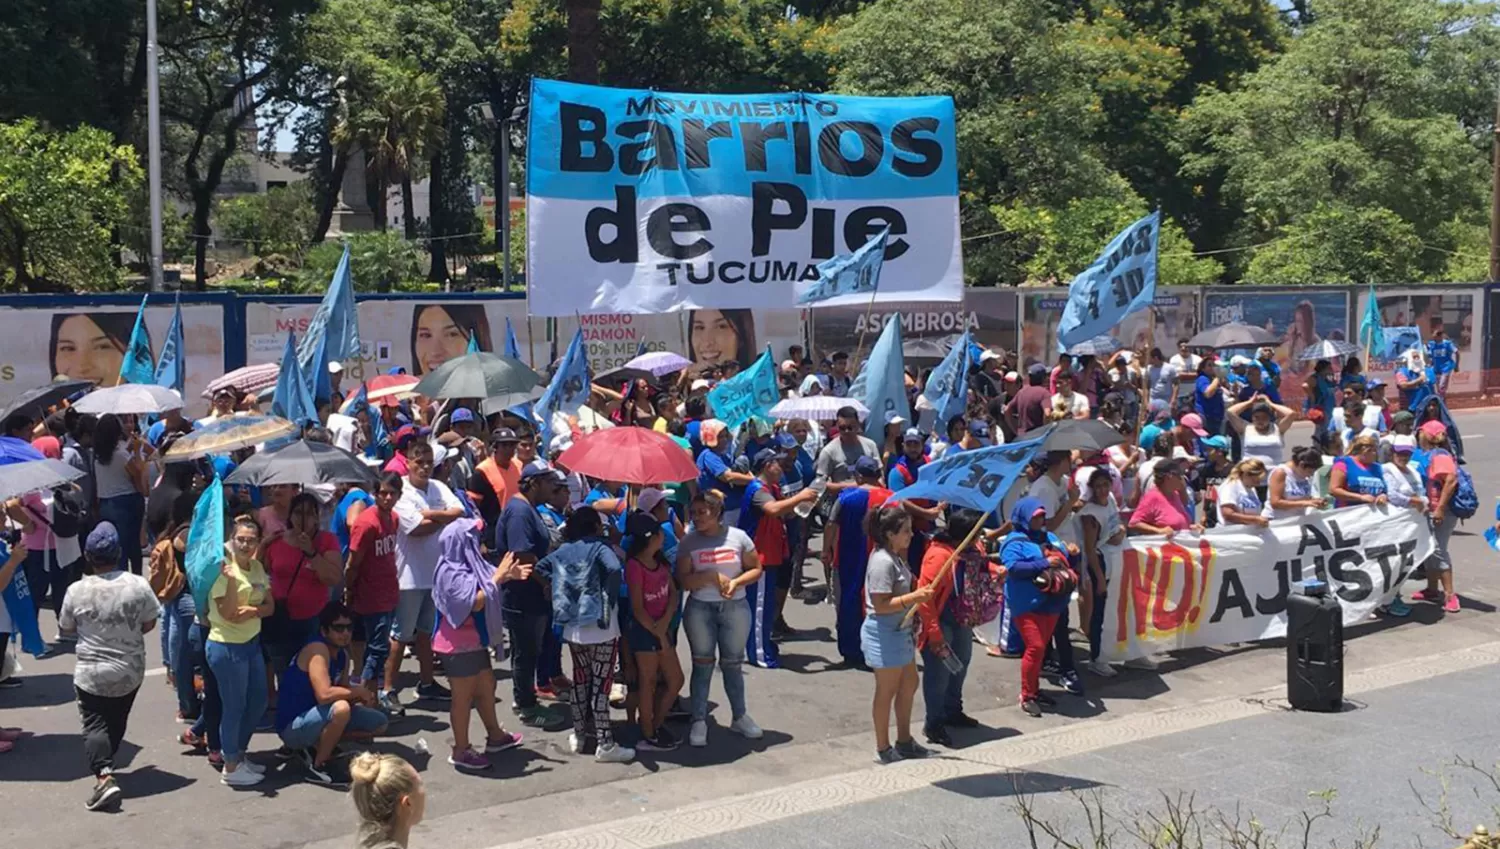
<point>1235,334</point>
<point>1099,346</point>
<point>1078,435</point>
<point>303,463</point>
<point>34,402</point>
<point>482,375</point>
<point>35,476</point>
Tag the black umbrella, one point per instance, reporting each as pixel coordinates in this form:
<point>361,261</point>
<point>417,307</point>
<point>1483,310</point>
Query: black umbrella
<point>303,463</point>
<point>627,374</point>
<point>1235,334</point>
<point>34,402</point>
<point>482,375</point>
<point>35,476</point>
<point>1078,435</point>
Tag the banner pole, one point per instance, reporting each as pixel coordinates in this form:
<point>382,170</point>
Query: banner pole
<point>530,343</point>
<point>864,327</point>
<point>1140,417</point>
<point>947,565</point>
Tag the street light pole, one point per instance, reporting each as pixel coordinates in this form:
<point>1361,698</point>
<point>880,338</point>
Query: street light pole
<point>153,144</point>
<point>502,205</point>
<point>1495,193</point>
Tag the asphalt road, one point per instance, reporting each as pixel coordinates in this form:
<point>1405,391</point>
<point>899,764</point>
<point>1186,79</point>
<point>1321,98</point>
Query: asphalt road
<point>816,721</point>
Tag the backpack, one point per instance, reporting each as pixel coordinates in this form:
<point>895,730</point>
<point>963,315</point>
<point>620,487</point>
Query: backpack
<point>976,591</point>
<point>69,511</point>
<point>1465,501</point>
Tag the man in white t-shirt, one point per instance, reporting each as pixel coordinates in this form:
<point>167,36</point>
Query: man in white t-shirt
<point>1186,362</point>
<point>426,505</point>
<point>1161,378</point>
<point>1056,490</point>
<point>1065,402</point>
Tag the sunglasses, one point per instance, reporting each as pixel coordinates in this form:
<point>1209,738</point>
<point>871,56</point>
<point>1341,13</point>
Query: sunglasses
<point>341,627</point>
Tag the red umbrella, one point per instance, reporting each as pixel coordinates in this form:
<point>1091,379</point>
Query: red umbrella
<point>629,455</point>
<point>389,389</point>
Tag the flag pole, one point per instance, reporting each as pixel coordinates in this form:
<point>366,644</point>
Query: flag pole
<point>864,327</point>
<point>1140,417</point>
<point>530,343</point>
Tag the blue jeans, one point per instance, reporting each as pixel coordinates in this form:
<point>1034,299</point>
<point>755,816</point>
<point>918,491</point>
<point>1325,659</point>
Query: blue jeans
<point>213,706</point>
<point>943,691</point>
<point>127,513</point>
<point>377,631</point>
<point>176,621</point>
<point>717,627</point>
<point>241,672</point>
<point>304,730</point>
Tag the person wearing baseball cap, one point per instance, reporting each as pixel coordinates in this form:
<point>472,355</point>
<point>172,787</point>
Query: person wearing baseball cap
<point>1027,409</point>
<point>716,469</point>
<point>911,460</point>
<point>763,519</point>
<point>536,654</point>
<point>110,611</point>
<point>404,437</point>
<point>1442,476</point>
<point>498,477</point>
<point>1189,430</point>
<point>846,551</point>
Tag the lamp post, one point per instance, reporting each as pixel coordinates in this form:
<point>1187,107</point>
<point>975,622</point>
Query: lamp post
<point>153,145</point>
<point>502,202</point>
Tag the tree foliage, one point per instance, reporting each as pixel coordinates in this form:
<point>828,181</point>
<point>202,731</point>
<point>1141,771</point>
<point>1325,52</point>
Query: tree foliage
<point>279,221</point>
<point>62,194</point>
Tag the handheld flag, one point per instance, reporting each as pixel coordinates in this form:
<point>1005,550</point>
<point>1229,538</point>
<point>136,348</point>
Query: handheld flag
<point>336,323</point>
<point>205,543</point>
<point>137,366</point>
<point>979,479</point>
<point>752,392</point>
<point>293,399</point>
<point>171,370</point>
<point>881,384</point>
<point>568,389</point>
<point>1371,331</point>
<point>947,388</point>
<point>847,278</point>
<point>318,379</point>
<point>1122,280</point>
<point>512,347</point>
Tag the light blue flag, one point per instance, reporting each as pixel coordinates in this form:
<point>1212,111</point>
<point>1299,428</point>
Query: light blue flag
<point>979,479</point>
<point>752,392</point>
<point>1121,281</point>
<point>847,278</point>
<point>317,377</point>
<point>568,390</point>
<point>473,343</point>
<point>205,542</point>
<point>171,370</point>
<point>512,346</point>
<point>293,399</point>
<point>881,384</point>
<point>947,388</point>
<point>1371,329</point>
<point>336,323</point>
<point>138,366</point>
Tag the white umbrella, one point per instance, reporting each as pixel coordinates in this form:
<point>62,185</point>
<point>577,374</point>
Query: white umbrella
<point>817,408</point>
<point>130,399</point>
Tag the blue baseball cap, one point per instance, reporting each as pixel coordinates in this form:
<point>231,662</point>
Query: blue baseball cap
<point>765,457</point>
<point>867,466</point>
<point>463,414</point>
<point>785,441</point>
<point>1219,442</point>
<point>103,544</point>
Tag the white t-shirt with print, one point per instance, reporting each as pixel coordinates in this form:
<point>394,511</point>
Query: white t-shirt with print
<point>417,557</point>
<point>723,552</point>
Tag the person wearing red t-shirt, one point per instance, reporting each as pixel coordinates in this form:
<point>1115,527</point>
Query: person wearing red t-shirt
<point>371,581</point>
<point>303,563</point>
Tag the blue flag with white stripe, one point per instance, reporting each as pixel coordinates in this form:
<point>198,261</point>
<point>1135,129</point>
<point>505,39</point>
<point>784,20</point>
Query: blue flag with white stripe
<point>171,370</point>
<point>947,388</point>
<point>1122,280</point>
<point>979,479</point>
<point>568,390</point>
<point>138,365</point>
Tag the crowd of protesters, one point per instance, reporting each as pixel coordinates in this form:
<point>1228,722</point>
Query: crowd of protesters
<point>476,546</point>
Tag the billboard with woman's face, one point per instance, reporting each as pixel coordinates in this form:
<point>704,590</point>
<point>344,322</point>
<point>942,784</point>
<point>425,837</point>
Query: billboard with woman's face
<point>441,332</point>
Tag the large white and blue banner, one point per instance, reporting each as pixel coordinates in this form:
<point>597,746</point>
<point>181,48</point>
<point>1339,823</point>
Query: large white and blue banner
<point>649,202</point>
<point>1122,280</point>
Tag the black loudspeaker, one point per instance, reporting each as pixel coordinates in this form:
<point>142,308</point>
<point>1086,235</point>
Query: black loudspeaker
<point>1315,650</point>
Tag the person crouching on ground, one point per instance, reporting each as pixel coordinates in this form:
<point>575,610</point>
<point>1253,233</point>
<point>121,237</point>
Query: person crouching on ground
<point>466,592</point>
<point>315,705</point>
<point>111,611</point>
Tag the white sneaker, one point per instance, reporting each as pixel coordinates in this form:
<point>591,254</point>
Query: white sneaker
<point>698,734</point>
<point>746,727</point>
<point>252,766</point>
<point>575,743</point>
<point>614,753</point>
<point>241,777</point>
<point>1101,668</point>
<point>1147,663</point>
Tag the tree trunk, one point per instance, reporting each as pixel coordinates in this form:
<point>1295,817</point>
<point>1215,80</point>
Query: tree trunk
<point>408,207</point>
<point>437,218</point>
<point>583,41</point>
<point>203,200</point>
<point>330,199</point>
<point>382,190</point>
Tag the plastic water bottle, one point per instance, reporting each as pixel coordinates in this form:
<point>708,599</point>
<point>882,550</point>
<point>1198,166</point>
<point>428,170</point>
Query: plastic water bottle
<point>421,746</point>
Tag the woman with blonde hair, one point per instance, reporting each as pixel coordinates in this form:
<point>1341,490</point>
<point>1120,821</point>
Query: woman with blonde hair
<point>1356,478</point>
<point>1239,502</point>
<point>389,797</point>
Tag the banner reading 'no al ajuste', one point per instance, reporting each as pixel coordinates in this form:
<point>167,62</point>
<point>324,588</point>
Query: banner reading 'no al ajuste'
<point>649,202</point>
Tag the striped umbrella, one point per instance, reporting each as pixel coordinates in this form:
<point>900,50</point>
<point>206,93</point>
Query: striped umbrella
<point>247,380</point>
<point>229,434</point>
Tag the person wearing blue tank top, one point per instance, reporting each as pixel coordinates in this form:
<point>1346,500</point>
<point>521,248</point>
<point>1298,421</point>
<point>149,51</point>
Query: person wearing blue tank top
<point>1356,477</point>
<point>316,707</point>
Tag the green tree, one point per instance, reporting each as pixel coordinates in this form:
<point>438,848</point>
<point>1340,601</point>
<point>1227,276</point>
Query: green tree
<point>1341,244</point>
<point>1361,113</point>
<point>278,221</point>
<point>380,261</point>
<point>61,197</point>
